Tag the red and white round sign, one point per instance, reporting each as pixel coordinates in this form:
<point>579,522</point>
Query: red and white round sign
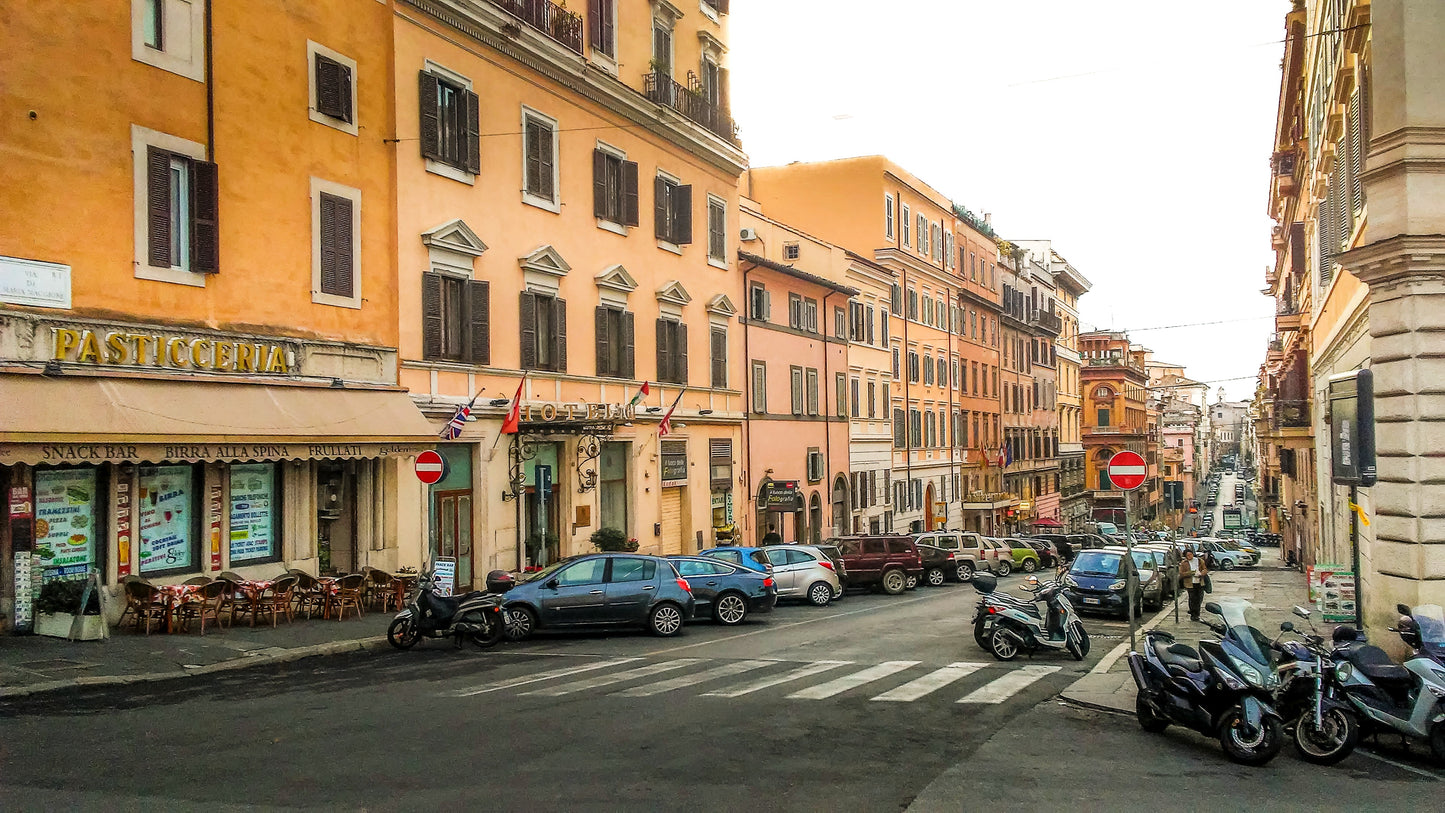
<point>1127,470</point>
<point>431,467</point>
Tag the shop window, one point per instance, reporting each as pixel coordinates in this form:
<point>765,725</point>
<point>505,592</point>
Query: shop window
<point>167,519</point>
<point>68,520</point>
<point>255,514</point>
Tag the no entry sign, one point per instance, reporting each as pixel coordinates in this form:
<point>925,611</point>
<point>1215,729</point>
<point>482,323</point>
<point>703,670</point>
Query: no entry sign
<point>1127,470</point>
<point>431,467</point>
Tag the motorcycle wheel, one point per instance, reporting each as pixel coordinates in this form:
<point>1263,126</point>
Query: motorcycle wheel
<point>402,633</point>
<point>1148,720</point>
<point>1081,649</point>
<point>980,634</point>
<point>492,632</point>
<point>1002,645</point>
<point>1437,742</point>
<point>1339,731</point>
<point>1257,751</point>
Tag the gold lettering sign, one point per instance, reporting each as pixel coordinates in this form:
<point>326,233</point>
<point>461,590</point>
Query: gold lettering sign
<point>85,346</point>
<point>575,413</point>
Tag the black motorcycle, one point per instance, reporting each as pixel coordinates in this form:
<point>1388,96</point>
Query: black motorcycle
<point>476,616</point>
<point>1324,725</point>
<point>1223,690</point>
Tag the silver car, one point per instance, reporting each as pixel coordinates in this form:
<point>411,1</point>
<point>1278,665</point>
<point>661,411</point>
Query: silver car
<point>803,571</point>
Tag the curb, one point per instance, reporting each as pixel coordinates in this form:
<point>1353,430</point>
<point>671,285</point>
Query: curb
<point>265,657</point>
<point>1091,706</point>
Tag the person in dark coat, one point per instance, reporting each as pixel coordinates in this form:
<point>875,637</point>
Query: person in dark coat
<point>1192,572</point>
<point>772,537</point>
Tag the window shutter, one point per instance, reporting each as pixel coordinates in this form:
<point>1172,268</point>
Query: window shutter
<point>767,305</point>
<point>333,88</point>
<point>629,193</point>
<point>724,90</point>
<point>719,357</point>
<point>594,24</point>
<point>474,138</point>
<point>336,238</point>
<point>664,354</point>
<point>722,6</point>
<point>205,236</point>
<point>1357,157</point>
<point>546,143</point>
<point>659,208</point>
<point>600,204</point>
<point>682,215</point>
<point>604,368</point>
<point>559,311</point>
<point>479,319</point>
<point>431,130</point>
<point>158,207</point>
<point>344,80</point>
<point>528,319</point>
<point>629,347</point>
<point>679,354</point>
<point>609,32</point>
<point>431,315</point>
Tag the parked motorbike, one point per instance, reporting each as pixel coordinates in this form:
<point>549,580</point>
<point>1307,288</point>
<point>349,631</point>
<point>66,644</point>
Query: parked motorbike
<point>1223,690</point>
<point>1325,727</point>
<point>1007,625</point>
<point>476,616</point>
<point>1408,700</point>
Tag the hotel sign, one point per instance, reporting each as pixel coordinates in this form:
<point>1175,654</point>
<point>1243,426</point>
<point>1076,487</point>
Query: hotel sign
<point>575,413</point>
<point>169,350</point>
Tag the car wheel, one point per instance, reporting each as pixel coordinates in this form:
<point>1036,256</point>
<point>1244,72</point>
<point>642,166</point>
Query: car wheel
<point>1002,645</point>
<point>965,571</point>
<point>910,582</point>
<point>730,610</point>
<point>1005,568</point>
<point>1030,565</point>
<point>521,623</point>
<point>894,582</point>
<point>819,594</point>
<point>665,620</point>
<point>936,577</point>
<point>1226,564</point>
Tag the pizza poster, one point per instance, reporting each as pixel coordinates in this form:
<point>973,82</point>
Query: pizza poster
<point>65,501</point>
<point>165,517</point>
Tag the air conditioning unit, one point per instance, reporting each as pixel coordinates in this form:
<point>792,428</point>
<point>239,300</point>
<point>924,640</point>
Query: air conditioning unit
<point>748,234</point>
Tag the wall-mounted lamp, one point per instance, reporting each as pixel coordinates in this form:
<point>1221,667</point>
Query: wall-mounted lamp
<point>500,401</point>
<point>704,412</point>
<point>654,409</point>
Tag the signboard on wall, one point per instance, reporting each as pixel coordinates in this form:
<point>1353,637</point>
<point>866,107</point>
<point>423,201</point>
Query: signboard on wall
<point>65,501</point>
<point>781,495</point>
<point>444,572</point>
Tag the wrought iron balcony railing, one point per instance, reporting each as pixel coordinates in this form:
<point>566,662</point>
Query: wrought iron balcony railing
<point>692,102</point>
<point>550,18</point>
<point>1292,415</point>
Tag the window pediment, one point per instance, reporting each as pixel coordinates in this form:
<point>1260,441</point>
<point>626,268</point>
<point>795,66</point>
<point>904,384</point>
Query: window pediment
<point>616,278</point>
<point>673,293</point>
<point>545,260</point>
<point>455,236</point>
<point>721,306</point>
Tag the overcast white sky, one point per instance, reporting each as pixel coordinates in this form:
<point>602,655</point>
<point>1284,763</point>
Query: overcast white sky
<point>1135,134</point>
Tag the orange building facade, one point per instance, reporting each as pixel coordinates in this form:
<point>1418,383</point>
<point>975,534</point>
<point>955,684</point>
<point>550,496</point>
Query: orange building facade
<point>1116,417</point>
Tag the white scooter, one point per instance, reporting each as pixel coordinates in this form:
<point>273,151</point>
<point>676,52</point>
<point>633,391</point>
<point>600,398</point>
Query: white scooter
<point>1013,625</point>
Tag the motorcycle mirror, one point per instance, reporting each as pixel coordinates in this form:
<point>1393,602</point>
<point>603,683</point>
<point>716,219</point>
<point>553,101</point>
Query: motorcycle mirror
<point>1403,609</point>
<point>1212,607</point>
<point>1287,626</point>
<point>1301,612</point>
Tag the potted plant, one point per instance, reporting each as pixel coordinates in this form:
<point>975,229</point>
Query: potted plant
<point>55,611</point>
<point>537,545</point>
<point>612,540</point>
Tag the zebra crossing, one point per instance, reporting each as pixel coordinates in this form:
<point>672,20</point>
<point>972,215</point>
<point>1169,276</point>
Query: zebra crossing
<point>902,681</point>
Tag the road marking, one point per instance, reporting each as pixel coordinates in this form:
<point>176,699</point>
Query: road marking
<point>931,682</point>
<point>540,676</point>
<point>615,677</point>
<point>1402,766</point>
<point>839,685</point>
<point>767,682</point>
<point>726,670</point>
<point>1007,686</point>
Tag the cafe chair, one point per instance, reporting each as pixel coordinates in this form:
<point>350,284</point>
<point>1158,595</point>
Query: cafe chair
<point>203,604</point>
<point>308,596</point>
<point>348,593</point>
<point>378,588</point>
<point>275,600</point>
<point>143,601</point>
<point>197,580</point>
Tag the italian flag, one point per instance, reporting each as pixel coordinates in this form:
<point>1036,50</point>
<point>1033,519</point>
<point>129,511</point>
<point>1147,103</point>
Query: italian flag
<point>642,392</point>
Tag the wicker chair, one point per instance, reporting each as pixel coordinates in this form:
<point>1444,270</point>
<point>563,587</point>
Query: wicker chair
<point>203,604</point>
<point>276,599</point>
<point>348,592</point>
<point>308,596</point>
<point>198,580</point>
<point>379,591</point>
<point>235,600</point>
<point>144,601</point>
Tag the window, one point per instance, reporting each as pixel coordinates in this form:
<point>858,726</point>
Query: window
<point>616,354</point>
<point>914,371</point>
<point>930,436</point>
<point>810,315</point>
<point>915,428</point>
<point>449,114</point>
<point>719,356</point>
<point>180,213</point>
<point>255,514</point>
<point>928,369</point>
<point>602,26</point>
<point>626,569</point>
<point>812,391</point>
<point>896,365</point>
<point>913,305</point>
<point>614,187</point>
<point>332,88</point>
<point>672,211</point>
<point>587,571</point>
<point>170,35</point>
<point>539,160</point>
<point>872,399</point>
<point>167,523</point>
<point>895,300</point>
<point>906,233</point>
<point>759,303</point>
<point>796,380</point>
<point>662,46</point>
<point>760,387</point>
<point>336,249</point>
<point>856,396</point>
<point>153,24</point>
<point>1103,416</point>
<point>883,327</point>
<point>70,514</point>
<point>455,319</point>
<point>815,465</point>
<point>671,351</point>
<point>795,311</point>
<point>937,241</point>
<point>868,320</point>
<point>888,226</point>
<point>717,223</point>
<point>922,234</point>
<point>900,439</point>
<point>948,248</point>
<point>544,332</point>
<point>790,251</point>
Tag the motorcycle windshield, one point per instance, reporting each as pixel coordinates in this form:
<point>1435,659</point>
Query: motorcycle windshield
<point>1243,622</point>
<point>1431,620</point>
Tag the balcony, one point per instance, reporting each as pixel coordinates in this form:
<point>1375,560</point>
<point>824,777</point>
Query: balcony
<point>1288,319</point>
<point>1292,415</point>
<point>1090,431</point>
<point>1047,321</point>
<point>1276,350</point>
<point>561,25</point>
<point>1113,362</point>
<point>691,102</point>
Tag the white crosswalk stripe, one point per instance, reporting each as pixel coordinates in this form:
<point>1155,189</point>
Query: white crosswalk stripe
<point>853,681</point>
<point>801,672</point>
<point>539,677</point>
<point>931,682</point>
<point>726,670</point>
<point>1007,686</point>
<point>615,677</point>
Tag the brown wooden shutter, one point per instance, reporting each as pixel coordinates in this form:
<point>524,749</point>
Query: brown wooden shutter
<point>431,315</point>
<point>659,208</point>
<point>594,24</point>
<point>347,114</point>
<point>1357,158</point>
<point>719,357</point>
<point>604,367</point>
<point>679,353</point>
<point>664,351</point>
<point>527,316</point>
<point>479,322</point>
<point>158,207</point>
<point>609,33</point>
<point>629,347</point>
<point>629,193</point>
<point>722,6</point>
<point>682,215</point>
<point>337,275</point>
<point>559,315</point>
<point>724,90</point>
<point>431,128</point>
<point>205,201</point>
<point>333,88</point>
<point>601,206</point>
<point>474,138</point>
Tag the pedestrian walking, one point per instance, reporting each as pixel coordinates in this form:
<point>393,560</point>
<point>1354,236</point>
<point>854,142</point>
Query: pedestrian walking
<point>1192,573</point>
<point>772,537</point>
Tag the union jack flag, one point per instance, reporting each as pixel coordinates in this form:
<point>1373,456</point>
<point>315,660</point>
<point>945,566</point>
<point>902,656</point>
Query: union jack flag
<point>454,427</point>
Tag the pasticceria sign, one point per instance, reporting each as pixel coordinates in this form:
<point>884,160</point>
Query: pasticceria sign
<point>120,347</point>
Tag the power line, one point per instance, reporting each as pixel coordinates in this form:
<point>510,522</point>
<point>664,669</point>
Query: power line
<point>1187,324</point>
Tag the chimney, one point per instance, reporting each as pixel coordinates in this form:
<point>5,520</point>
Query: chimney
<point>987,219</point>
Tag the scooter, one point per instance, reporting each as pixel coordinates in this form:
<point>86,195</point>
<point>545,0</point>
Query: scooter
<point>1311,700</point>
<point>1223,690</point>
<point>476,616</point>
<point>1408,700</point>
<point>1011,625</point>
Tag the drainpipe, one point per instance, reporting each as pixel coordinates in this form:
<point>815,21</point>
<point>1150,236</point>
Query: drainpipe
<point>748,391</point>
<point>210,86</point>
<point>828,416</point>
<point>907,380</point>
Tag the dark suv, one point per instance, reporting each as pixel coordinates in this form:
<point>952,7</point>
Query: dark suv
<point>885,561</point>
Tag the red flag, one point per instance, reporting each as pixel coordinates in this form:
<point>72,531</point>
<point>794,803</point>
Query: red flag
<point>514,415</point>
<point>666,426</point>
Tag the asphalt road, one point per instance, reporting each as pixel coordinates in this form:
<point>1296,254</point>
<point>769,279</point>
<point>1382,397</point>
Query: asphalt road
<point>761,715</point>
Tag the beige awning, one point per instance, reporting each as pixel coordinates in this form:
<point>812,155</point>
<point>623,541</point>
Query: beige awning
<point>74,419</point>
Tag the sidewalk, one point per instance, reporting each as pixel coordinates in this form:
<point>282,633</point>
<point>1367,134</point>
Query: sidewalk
<point>30,664</point>
<point>1270,588</point>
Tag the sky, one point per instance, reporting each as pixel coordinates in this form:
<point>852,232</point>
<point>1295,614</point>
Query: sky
<point>1134,134</point>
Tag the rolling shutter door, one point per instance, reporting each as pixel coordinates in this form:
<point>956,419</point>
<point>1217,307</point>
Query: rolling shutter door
<point>671,521</point>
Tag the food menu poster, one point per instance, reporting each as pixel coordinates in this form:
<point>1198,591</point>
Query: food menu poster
<point>165,517</point>
<point>65,501</point>
<point>252,496</point>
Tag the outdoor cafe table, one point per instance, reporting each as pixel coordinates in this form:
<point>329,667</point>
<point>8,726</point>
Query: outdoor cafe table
<point>174,595</point>
<point>253,588</point>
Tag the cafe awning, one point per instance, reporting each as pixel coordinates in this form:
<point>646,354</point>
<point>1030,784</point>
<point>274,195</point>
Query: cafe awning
<point>1048,522</point>
<point>74,419</point>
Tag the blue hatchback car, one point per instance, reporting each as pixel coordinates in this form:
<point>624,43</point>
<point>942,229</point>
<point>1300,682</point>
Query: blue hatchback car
<point>750,558</point>
<point>727,592</point>
<point>1096,582</point>
<point>600,590</point>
